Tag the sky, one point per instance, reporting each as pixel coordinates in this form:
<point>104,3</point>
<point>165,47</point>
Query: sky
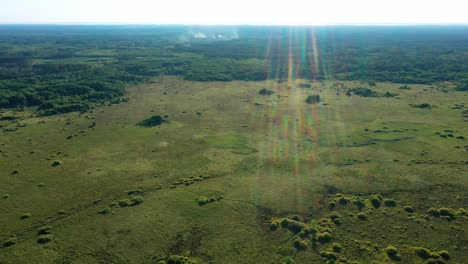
<point>235,12</point>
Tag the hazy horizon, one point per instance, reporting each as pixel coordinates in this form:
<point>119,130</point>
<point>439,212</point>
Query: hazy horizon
<point>242,12</point>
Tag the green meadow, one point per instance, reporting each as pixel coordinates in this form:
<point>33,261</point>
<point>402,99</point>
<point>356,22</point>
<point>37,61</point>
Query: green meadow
<point>234,176</point>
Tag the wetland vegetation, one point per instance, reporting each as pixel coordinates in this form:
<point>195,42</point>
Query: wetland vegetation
<point>151,144</point>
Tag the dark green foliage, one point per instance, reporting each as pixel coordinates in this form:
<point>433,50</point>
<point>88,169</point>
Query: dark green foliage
<point>389,94</point>
<point>155,120</point>
<point>25,216</point>
<point>433,211</point>
<point>324,237</point>
<point>136,200</point>
<point>422,106</point>
<point>337,248</point>
<point>444,254</point>
<point>56,163</point>
<point>175,259</point>
<point>408,209</point>
<point>124,203</point>
<point>104,211</point>
<point>359,203</point>
<point>43,239</point>
<point>422,252</point>
<point>447,212</point>
<point>305,85</point>
<point>52,69</point>
<point>45,230</point>
<point>404,87</point>
<point>10,242</point>
<point>300,244</point>
<point>265,92</point>
<point>376,200</point>
<point>312,99</point>
<point>392,253</point>
<point>361,216</point>
<point>364,92</point>
<point>274,225</point>
<point>328,255</point>
<point>389,202</point>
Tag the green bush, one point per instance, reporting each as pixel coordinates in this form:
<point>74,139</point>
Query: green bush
<point>124,203</point>
<point>136,200</point>
<point>25,216</point>
<point>422,252</point>
<point>312,99</point>
<point>337,248</point>
<point>328,255</point>
<point>45,230</point>
<point>324,237</point>
<point>392,253</point>
<point>152,121</point>
<point>265,92</point>
<point>390,202</point>
<point>43,239</point>
<point>10,242</point>
<point>444,254</point>
<point>361,216</point>
<point>408,209</point>
<point>375,200</point>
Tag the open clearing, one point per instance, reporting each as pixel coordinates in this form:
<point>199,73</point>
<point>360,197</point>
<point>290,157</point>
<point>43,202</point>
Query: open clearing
<point>267,156</point>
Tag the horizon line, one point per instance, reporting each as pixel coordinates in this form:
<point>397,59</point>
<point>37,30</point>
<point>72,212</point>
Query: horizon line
<point>202,24</point>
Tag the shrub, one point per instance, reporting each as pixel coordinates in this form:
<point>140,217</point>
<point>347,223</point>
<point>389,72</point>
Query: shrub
<point>61,212</point>
<point>337,221</point>
<point>362,216</point>
<point>265,92</point>
<point>10,242</point>
<point>25,216</point>
<point>43,239</point>
<point>328,255</point>
<point>296,218</point>
<point>56,163</point>
<point>155,120</point>
<point>133,192</point>
<point>124,203</point>
<point>312,99</point>
<point>432,211</point>
<point>104,211</point>
<point>45,230</point>
<point>375,200</point>
<point>408,209</point>
<point>359,203</point>
<point>422,252</point>
<point>334,216</point>
<point>389,203</point>
<point>295,226</point>
<point>447,212</point>
<point>392,253</point>
<point>136,200</point>
<point>305,85</point>
<point>6,196</point>
<point>274,225</point>
<point>364,92</point>
<point>444,254</point>
<point>343,200</point>
<point>337,248</point>
<point>331,205</point>
<point>324,237</point>
<point>203,200</point>
<point>300,244</point>
<point>284,223</point>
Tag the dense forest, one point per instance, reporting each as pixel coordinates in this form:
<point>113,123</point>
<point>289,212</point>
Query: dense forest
<point>70,68</point>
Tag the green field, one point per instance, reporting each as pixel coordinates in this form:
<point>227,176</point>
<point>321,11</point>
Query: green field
<point>238,177</point>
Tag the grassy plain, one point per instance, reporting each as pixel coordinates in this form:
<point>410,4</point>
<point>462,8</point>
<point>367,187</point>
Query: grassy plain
<point>269,156</point>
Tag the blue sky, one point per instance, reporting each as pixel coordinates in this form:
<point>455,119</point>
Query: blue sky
<point>282,12</point>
